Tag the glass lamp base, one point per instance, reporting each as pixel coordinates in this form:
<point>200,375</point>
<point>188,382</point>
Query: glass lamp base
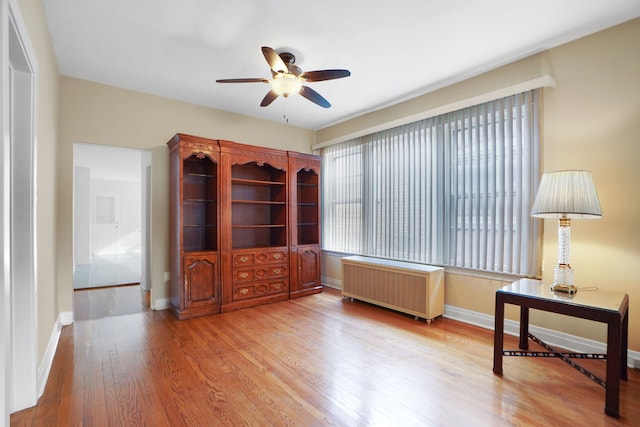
<point>563,280</point>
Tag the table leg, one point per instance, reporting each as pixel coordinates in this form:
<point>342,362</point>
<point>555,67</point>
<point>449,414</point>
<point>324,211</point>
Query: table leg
<point>498,335</point>
<point>614,344</point>
<point>524,328</point>
<point>624,346</point>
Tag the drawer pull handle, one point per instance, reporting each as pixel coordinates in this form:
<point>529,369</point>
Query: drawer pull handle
<point>244,291</point>
<point>277,256</point>
<point>244,259</point>
<point>244,275</point>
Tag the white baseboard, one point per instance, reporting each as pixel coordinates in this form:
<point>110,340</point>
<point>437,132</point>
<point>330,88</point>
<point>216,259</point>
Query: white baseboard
<point>64,318</point>
<point>331,283</point>
<point>161,304</point>
<point>551,337</point>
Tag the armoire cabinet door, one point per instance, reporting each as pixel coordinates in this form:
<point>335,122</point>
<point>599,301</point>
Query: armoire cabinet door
<point>308,267</point>
<point>200,281</point>
<point>304,215</point>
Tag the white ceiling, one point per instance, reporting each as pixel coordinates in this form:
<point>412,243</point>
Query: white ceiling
<point>395,50</point>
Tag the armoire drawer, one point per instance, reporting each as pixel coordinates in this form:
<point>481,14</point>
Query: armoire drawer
<point>260,289</point>
<point>251,274</point>
<point>258,258</point>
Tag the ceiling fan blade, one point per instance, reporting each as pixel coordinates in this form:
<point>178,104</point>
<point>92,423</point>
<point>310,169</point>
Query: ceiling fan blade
<point>273,59</point>
<point>316,76</point>
<point>314,97</point>
<point>269,98</point>
<point>247,80</point>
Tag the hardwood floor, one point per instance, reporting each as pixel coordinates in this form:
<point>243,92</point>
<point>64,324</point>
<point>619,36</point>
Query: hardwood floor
<point>314,361</point>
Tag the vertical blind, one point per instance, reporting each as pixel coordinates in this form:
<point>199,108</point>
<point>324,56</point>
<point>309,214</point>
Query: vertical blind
<point>453,190</point>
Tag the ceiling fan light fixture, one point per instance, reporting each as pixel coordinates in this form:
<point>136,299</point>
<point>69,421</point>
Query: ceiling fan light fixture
<point>288,78</point>
<point>286,84</point>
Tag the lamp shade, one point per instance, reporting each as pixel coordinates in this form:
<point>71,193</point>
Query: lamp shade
<point>567,194</point>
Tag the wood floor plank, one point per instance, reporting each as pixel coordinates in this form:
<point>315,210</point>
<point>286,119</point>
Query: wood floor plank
<point>313,361</point>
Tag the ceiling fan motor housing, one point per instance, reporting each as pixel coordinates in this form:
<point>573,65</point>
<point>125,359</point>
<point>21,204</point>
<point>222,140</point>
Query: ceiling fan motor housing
<point>288,57</point>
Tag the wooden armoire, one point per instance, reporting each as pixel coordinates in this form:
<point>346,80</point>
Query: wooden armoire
<point>245,225</point>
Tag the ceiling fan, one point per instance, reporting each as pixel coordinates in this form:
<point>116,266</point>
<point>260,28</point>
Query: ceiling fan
<point>288,79</point>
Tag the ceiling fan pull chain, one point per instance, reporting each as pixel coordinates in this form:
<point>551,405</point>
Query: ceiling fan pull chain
<point>284,114</point>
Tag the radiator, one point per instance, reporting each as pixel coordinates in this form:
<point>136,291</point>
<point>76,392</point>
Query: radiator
<point>415,289</point>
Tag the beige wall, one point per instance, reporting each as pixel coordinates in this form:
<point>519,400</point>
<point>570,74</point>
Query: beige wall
<point>591,121</point>
<point>98,114</point>
<point>47,122</point>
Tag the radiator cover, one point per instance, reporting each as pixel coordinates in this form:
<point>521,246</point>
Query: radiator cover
<point>411,288</point>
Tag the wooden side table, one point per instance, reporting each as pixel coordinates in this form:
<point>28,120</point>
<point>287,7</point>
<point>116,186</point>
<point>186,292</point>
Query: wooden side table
<point>601,306</point>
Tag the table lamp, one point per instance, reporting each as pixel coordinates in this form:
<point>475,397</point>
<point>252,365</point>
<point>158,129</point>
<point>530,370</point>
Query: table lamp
<point>566,195</point>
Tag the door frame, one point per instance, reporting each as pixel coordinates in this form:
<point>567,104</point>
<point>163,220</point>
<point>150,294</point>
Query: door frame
<point>145,209</point>
<point>18,311</point>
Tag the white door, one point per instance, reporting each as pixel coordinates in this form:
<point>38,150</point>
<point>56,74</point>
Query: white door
<point>105,230</point>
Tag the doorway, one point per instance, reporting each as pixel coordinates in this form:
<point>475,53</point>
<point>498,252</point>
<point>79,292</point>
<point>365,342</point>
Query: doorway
<point>110,224</point>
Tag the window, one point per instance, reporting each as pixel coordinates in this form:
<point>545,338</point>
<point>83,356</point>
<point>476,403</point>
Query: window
<point>452,190</point>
